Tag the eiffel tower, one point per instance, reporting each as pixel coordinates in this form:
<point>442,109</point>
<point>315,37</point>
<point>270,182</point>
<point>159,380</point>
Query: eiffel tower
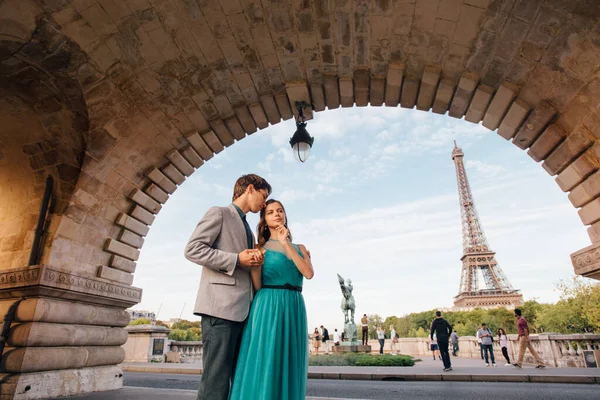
<point>477,255</point>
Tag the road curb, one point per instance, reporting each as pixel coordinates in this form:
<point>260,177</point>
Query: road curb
<point>453,377</point>
<point>448,377</point>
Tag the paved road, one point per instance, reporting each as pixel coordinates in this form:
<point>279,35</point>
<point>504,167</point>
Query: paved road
<point>398,390</point>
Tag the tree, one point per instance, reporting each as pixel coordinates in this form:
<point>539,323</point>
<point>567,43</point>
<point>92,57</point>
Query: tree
<point>374,321</point>
<point>140,321</point>
<point>185,324</point>
<point>178,335</point>
<point>582,299</point>
<point>194,334</point>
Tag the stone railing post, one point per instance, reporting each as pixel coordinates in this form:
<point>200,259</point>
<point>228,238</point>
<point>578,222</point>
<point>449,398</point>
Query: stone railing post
<point>146,343</point>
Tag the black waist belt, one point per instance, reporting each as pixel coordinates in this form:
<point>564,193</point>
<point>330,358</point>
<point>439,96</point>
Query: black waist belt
<point>287,286</point>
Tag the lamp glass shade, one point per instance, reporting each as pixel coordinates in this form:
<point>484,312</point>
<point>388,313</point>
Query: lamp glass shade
<point>301,151</point>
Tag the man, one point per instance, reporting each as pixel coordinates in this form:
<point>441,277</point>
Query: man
<point>223,244</point>
<point>336,337</point>
<point>442,330</point>
<point>365,329</point>
<point>487,341</point>
<point>454,339</point>
<point>524,343</point>
<point>325,338</point>
<point>479,343</point>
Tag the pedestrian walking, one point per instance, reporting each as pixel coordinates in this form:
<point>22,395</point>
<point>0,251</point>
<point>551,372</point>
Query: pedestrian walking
<point>487,341</point>
<point>381,338</point>
<point>503,340</point>
<point>454,339</point>
<point>524,343</point>
<point>441,329</point>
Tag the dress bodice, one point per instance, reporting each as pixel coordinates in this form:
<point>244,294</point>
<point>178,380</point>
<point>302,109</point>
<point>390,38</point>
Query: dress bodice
<point>278,269</point>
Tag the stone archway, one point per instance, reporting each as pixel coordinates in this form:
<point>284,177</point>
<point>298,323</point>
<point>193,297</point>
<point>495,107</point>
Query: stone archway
<point>165,84</point>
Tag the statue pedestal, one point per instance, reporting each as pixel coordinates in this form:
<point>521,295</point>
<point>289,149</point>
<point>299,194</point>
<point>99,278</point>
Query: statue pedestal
<point>349,347</point>
<point>350,330</point>
<point>352,345</point>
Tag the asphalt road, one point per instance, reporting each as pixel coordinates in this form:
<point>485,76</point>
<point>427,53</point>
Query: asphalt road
<point>399,390</point>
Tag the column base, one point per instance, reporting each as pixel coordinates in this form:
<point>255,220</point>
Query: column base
<point>67,382</point>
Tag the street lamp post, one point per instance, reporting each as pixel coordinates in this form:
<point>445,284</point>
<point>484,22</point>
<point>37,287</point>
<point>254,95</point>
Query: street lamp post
<point>301,142</point>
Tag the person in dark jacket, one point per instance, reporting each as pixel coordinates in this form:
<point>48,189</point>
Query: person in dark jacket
<point>442,330</point>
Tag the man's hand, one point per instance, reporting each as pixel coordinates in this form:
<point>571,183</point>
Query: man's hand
<point>251,258</point>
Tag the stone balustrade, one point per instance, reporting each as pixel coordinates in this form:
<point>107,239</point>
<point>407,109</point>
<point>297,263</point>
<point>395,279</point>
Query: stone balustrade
<point>190,352</point>
<point>555,349</point>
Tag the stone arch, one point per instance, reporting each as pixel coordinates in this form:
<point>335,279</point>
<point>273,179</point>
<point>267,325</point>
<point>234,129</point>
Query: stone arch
<point>155,88</point>
<point>161,101</point>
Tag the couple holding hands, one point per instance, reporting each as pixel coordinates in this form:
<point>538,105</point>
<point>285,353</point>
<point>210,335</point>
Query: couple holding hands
<point>254,325</point>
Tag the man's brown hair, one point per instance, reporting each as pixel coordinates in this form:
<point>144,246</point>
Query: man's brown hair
<point>244,181</point>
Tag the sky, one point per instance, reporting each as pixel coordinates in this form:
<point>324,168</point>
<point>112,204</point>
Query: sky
<point>376,202</point>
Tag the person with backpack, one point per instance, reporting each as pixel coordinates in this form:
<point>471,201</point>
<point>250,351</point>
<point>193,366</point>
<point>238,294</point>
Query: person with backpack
<point>442,330</point>
<point>487,340</point>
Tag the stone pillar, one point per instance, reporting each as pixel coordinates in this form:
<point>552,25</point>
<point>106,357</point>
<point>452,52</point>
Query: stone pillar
<point>146,343</point>
<point>65,332</point>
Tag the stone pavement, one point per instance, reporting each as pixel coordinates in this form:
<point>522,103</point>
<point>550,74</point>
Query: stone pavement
<point>464,369</point>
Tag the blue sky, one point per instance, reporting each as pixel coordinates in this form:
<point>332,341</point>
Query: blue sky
<point>377,202</point>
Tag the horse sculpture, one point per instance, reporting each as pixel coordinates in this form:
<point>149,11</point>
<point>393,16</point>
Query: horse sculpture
<point>348,300</point>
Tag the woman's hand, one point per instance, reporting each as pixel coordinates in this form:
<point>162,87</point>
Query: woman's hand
<point>283,234</point>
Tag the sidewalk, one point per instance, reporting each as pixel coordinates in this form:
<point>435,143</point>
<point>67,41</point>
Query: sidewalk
<point>464,369</point>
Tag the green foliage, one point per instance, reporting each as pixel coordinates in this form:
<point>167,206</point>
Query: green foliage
<point>161,323</point>
<point>374,321</point>
<point>140,321</point>
<point>185,324</point>
<point>362,360</point>
<point>186,331</point>
<point>178,335</point>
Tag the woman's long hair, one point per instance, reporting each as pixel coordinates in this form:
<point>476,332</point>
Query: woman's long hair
<point>500,334</point>
<point>263,233</point>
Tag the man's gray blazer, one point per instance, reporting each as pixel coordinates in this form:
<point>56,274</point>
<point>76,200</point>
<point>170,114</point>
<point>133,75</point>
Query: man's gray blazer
<point>225,290</point>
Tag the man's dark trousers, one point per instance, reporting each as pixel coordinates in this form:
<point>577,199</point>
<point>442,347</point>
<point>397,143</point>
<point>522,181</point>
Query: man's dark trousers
<point>454,349</point>
<point>443,346</point>
<point>489,348</point>
<point>365,338</point>
<point>221,340</point>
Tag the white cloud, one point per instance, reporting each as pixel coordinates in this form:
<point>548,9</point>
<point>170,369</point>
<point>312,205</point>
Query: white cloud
<point>485,169</point>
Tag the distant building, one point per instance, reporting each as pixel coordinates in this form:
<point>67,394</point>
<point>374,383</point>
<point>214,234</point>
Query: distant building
<point>172,321</point>
<point>137,314</point>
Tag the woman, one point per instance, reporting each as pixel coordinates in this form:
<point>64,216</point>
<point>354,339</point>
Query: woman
<point>316,341</point>
<point>434,347</point>
<point>504,345</point>
<point>273,359</point>
<point>394,339</point>
<point>381,338</point>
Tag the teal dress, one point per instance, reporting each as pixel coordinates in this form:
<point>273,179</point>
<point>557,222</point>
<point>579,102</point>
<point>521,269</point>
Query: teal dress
<point>273,358</point>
